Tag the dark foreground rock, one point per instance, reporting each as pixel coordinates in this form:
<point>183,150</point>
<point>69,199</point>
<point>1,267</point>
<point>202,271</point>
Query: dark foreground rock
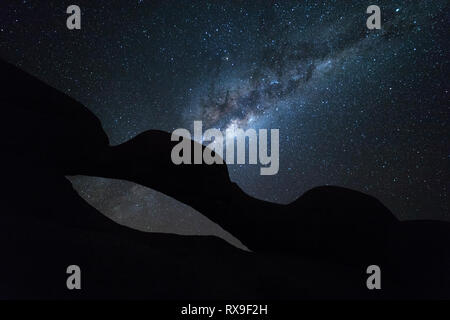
<point>317,247</point>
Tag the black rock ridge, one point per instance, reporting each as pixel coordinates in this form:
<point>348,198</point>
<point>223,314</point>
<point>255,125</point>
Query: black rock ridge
<point>317,247</point>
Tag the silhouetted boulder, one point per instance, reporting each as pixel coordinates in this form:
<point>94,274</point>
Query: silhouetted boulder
<point>45,125</point>
<point>316,247</point>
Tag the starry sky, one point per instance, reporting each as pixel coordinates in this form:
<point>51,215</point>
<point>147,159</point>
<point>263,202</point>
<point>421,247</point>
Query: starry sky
<point>363,109</point>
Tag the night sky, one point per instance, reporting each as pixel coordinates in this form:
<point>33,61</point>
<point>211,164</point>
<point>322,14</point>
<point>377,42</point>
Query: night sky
<point>363,109</point>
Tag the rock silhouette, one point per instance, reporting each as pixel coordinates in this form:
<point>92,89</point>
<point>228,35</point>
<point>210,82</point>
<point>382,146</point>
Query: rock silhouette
<point>317,247</point>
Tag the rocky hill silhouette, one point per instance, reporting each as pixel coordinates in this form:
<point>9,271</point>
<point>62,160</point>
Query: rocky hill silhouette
<point>317,247</point>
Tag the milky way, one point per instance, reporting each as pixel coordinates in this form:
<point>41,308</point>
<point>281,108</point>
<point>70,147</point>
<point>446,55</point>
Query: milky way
<point>363,109</point>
